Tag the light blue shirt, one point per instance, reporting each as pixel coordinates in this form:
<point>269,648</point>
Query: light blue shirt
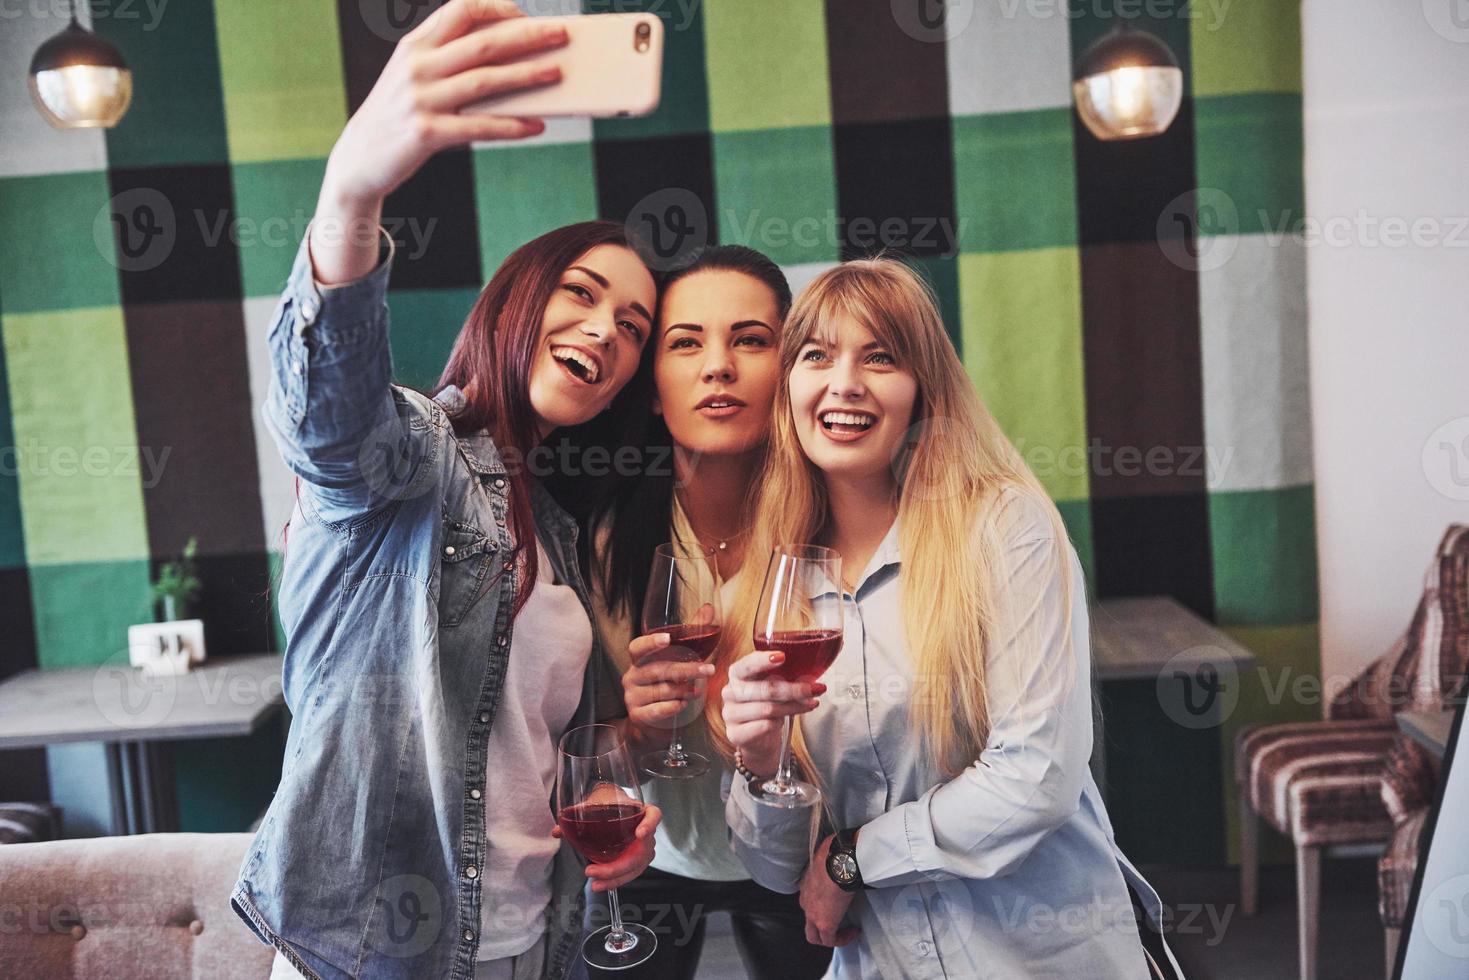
<point>1010,869</point>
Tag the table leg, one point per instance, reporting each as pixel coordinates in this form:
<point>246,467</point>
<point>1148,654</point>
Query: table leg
<point>147,789</point>
<point>158,758</point>
<point>116,791</point>
<point>131,786</point>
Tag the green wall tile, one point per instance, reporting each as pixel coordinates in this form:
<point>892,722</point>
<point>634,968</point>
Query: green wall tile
<point>49,255</point>
<point>1014,180</point>
<point>1255,46</point>
<point>684,104</point>
<point>1251,148</point>
<point>1078,517</point>
<point>942,273</point>
<point>83,609</point>
<point>760,77</point>
<point>274,202</point>
<point>81,476</point>
<point>175,116</point>
<point>283,97</point>
<point>777,193</point>
<point>12,534</point>
<point>425,323</point>
<point>525,191</point>
<point>218,795</point>
<point>1023,348</point>
<point>1264,546</point>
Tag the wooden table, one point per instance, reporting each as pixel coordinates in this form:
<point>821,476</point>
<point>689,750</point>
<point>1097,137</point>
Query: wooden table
<point>1168,680</point>
<point>133,714</point>
<point>1137,639</point>
<point>1428,728</point>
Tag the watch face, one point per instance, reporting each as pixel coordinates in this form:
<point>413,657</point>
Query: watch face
<point>845,867</point>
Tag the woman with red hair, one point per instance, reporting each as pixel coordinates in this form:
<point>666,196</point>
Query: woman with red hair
<point>439,635</point>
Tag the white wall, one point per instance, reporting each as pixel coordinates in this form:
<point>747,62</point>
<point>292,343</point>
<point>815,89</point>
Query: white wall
<point>1386,86</point>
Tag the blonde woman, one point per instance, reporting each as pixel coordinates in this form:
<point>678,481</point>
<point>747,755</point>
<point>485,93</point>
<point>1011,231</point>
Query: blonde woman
<point>963,835</point>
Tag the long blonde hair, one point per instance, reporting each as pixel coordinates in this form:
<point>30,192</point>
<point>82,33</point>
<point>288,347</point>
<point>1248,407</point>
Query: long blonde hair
<point>953,465</point>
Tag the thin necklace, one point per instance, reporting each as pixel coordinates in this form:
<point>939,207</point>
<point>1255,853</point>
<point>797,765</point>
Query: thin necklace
<point>718,544</point>
<point>701,538</point>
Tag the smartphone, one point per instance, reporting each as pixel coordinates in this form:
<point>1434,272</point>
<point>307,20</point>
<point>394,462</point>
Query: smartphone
<point>611,65</point>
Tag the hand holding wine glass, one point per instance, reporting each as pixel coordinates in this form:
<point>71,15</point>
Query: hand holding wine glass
<point>757,701</point>
<point>600,812</point>
<point>683,604</point>
<point>658,691</point>
<point>798,626</point>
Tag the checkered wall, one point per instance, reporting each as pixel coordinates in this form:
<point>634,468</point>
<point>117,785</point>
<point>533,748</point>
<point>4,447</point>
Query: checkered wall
<point>1124,307</point>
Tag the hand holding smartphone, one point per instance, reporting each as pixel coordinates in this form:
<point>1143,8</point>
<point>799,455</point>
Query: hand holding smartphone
<point>611,66</point>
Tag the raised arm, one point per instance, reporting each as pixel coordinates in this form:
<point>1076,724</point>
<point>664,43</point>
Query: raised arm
<point>330,407</point>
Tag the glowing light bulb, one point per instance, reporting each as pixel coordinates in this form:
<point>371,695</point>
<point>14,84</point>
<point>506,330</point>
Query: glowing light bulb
<point>1129,86</point>
<point>78,79</point>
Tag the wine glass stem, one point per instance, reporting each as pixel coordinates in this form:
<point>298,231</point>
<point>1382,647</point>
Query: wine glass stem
<point>783,774</point>
<point>617,937</point>
<point>676,755</point>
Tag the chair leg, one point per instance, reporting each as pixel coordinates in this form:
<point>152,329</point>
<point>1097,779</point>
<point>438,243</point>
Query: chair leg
<point>1308,905</point>
<point>1391,935</point>
<point>1249,855</point>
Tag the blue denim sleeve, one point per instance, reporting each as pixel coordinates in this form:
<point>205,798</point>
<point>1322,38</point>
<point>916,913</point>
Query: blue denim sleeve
<point>331,407</point>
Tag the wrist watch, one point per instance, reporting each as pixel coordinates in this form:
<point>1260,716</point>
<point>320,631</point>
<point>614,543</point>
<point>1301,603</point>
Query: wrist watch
<point>841,861</point>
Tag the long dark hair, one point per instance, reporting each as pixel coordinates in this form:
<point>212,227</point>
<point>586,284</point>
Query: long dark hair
<point>492,357</point>
<point>638,508</point>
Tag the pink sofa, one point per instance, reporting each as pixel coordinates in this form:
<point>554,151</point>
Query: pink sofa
<point>153,907</point>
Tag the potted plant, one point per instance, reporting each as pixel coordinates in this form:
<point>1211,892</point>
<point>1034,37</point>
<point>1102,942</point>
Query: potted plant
<point>177,584</point>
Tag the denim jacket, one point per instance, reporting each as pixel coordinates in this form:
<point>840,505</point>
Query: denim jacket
<point>396,599</point>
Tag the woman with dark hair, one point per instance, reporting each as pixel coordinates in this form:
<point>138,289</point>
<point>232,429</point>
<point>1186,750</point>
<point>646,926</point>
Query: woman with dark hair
<point>440,640</point>
<point>714,375</point>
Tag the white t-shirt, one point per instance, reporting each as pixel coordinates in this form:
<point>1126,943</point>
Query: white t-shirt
<point>549,650</point>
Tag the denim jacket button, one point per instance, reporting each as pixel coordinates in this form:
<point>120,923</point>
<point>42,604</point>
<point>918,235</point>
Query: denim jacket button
<point>449,550</point>
<point>484,716</point>
<point>503,639</point>
<point>309,308</point>
<point>509,565</point>
<point>471,871</point>
<point>499,484</point>
<point>474,794</point>
<point>296,368</point>
<point>468,935</point>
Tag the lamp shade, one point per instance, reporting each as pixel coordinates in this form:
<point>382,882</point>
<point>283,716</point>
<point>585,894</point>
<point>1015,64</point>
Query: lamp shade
<point>1128,85</point>
<point>79,79</point>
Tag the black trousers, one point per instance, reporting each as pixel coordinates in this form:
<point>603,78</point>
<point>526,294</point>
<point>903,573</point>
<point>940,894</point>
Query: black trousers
<point>769,928</point>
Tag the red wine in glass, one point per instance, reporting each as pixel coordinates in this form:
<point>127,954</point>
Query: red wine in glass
<point>808,652</point>
<point>683,601</point>
<point>601,832</point>
<point>687,643</point>
<point>599,805</point>
<point>800,615</point>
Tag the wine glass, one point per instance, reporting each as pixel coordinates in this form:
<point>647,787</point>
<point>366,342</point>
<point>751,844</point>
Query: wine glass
<point>599,806</point>
<point>800,615</point>
<point>682,601</point>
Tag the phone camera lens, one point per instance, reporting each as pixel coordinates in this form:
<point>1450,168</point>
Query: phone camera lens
<point>640,38</point>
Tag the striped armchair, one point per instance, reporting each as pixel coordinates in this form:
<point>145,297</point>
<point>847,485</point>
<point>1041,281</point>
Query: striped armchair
<point>1322,783</point>
<point>25,823</point>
